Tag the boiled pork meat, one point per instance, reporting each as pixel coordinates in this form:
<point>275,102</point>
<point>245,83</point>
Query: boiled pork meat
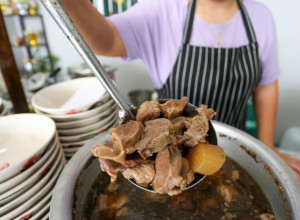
<point>142,171</point>
<point>127,135</point>
<point>168,164</point>
<point>173,108</point>
<point>111,168</point>
<point>198,127</point>
<point>158,134</point>
<point>149,110</point>
<point>203,110</point>
<point>112,150</point>
<point>186,172</point>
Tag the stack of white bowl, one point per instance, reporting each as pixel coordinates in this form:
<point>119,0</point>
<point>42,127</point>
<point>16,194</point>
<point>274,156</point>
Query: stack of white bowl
<point>81,109</point>
<point>3,108</point>
<point>31,160</point>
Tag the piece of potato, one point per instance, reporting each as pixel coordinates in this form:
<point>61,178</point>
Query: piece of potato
<point>206,159</point>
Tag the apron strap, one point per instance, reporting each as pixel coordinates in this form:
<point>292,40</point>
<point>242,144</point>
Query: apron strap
<point>247,23</point>
<point>191,15</point>
<point>189,22</point>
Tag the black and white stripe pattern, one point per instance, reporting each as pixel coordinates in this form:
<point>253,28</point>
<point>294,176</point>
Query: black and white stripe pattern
<point>221,78</point>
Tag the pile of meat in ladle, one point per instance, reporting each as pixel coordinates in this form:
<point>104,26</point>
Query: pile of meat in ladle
<point>159,135</point>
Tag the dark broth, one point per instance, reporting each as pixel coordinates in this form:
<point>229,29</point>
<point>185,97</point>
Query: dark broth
<point>220,196</point>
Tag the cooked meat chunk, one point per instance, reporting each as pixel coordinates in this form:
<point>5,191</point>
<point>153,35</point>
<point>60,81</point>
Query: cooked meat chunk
<point>149,110</point>
<point>173,107</point>
<point>196,132</point>
<point>168,164</point>
<point>198,126</point>
<point>128,135</point>
<point>266,216</point>
<point>112,150</point>
<point>113,154</point>
<point>227,192</point>
<point>178,143</point>
<point>186,172</point>
<point>111,157</point>
<point>158,134</point>
<point>179,124</point>
<point>113,201</point>
<point>111,168</point>
<point>205,111</point>
<point>142,171</point>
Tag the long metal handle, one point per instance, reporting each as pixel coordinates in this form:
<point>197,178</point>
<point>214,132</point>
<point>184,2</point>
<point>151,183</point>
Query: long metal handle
<point>63,20</point>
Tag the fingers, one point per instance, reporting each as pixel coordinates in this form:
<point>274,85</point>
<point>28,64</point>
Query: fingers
<point>296,170</point>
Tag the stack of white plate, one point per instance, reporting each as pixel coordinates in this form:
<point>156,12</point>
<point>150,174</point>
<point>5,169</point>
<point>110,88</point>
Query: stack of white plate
<point>81,109</point>
<point>31,159</point>
<point>3,108</point>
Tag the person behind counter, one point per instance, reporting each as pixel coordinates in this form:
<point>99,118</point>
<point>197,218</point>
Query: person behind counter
<point>216,52</point>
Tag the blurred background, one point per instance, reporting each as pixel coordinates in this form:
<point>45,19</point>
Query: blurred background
<point>64,56</point>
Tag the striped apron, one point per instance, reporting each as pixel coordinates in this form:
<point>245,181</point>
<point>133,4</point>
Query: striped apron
<point>221,78</point>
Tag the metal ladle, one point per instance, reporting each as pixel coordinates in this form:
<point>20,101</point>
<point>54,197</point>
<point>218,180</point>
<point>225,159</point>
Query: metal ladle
<point>126,112</point>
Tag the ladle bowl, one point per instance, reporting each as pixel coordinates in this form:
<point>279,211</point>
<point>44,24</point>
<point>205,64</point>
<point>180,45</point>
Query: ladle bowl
<point>211,138</point>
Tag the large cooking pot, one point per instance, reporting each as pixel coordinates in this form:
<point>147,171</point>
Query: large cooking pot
<point>275,179</point>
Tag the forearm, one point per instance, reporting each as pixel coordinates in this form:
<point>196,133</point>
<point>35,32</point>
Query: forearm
<point>265,106</point>
<point>99,33</point>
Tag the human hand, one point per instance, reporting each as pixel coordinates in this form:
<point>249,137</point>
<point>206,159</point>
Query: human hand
<point>293,163</point>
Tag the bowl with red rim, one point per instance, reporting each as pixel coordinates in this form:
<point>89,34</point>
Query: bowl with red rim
<point>23,139</point>
<point>69,97</point>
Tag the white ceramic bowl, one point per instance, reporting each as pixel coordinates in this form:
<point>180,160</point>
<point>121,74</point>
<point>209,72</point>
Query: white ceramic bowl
<point>22,187</point>
<point>69,97</point>
<point>42,206</point>
<point>71,150</point>
<point>23,138</point>
<point>85,121</point>
<point>12,182</point>
<point>48,187</point>
<point>74,143</point>
<point>3,109</point>
<point>84,129</point>
<point>10,206</point>
<point>98,107</point>
<point>43,211</point>
<point>90,134</point>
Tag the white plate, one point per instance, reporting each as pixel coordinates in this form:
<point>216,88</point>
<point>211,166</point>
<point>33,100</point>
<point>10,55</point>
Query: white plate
<point>36,81</point>
<point>45,217</point>
<point>22,176</point>
<point>23,138</point>
<point>42,206</point>
<point>37,197</point>
<point>84,129</point>
<point>69,154</point>
<point>35,188</point>
<point>71,150</point>
<point>76,95</point>
<point>43,211</point>
<point>3,109</point>
<point>70,144</point>
<point>88,135</point>
<point>99,107</point>
<point>26,184</point>
<point>85,121</point>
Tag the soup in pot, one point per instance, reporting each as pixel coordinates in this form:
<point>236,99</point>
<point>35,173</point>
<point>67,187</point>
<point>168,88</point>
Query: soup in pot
<point>231,193</point>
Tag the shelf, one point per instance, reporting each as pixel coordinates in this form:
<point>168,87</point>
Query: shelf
<point>41,44</point>
<point>24,16</point>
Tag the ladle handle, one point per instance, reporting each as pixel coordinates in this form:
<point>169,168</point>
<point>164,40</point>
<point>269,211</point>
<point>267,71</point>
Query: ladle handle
<point>63,20</point>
